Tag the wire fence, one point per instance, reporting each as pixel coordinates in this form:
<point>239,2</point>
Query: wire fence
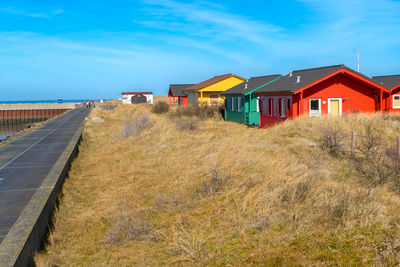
<point>351,144</point>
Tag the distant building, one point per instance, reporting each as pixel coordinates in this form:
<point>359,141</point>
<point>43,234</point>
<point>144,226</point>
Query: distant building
<point>137,97</point>
<point>209,92</point>
<point>177,91</point>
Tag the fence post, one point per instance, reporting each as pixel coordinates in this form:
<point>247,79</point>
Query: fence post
<point>353,144</point>
<point>398,147</point>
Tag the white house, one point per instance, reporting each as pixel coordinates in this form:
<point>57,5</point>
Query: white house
<point>137,97</point>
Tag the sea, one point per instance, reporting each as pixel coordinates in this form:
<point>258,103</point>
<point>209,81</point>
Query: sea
<point>44,101</point>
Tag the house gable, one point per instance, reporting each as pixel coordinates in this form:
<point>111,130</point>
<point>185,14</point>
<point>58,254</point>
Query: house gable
<point>370,84</point>
<point>223,85</point>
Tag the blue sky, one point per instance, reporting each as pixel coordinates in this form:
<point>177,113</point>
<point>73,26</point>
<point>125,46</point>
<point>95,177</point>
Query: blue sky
<point>84,48</point>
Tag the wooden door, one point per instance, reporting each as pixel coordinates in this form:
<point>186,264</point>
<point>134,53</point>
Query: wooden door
<point>335,107</point>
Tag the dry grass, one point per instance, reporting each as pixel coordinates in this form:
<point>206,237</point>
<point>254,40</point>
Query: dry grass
<point>221,194</point>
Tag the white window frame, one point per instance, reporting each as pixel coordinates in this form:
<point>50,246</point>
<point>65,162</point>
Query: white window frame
<point>284,100</point>
<point>319,107</point>
<point>258,105</point>
<point>209,98</point>
<point>393,102</point>
<point>239,104</point>
<point>329,105</point>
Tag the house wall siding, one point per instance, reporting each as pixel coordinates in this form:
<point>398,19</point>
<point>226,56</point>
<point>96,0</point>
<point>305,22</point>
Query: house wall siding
<point>234,115</point>
<point>356,97</point>
<point>217,88</point>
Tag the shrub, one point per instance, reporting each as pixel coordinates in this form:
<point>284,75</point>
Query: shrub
<point>332,137</point>
<point>203,112</point>
<point>160,107</point>
<point>186,124</point>
<point>129,225</point>
<point>213,185</point>
<point>135,126</point>
<point>376,161</point>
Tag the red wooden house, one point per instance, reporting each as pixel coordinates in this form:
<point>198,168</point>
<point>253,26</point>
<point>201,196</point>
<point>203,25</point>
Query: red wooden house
<point>177,94</point>
<point>391,82</point>
<point>332,90</point>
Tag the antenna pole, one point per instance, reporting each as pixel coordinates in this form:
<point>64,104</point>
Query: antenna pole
<point>358,59</point>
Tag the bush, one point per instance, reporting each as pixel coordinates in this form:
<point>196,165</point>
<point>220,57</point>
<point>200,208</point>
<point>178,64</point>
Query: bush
<point>129,225</point>
<point>203,112</point>
<point>135,126</point>
<point>160,107</point>
<point>214,185</point>
<point>376,161</point>
<point>186,124</point>
<point>332,138</point>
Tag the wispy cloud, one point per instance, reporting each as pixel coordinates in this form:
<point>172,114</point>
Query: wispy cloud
<point>44,15</point>
<point>207,19</point>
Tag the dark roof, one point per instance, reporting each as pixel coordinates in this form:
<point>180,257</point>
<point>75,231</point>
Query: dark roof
<point>300,78</point>
<point>251,84</point>
<point>213,80</point>
<point>178,89</point>
<point>388,81</point>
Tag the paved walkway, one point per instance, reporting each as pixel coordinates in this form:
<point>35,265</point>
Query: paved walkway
<point>25,163</point>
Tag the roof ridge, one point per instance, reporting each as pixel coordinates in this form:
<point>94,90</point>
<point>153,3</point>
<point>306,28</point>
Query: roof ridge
<point>318,68</point>
<point>265,76</point>
<point>228,74</point>
<point>386,76</point>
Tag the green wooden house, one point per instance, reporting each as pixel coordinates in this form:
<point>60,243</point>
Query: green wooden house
<point>241,105</point>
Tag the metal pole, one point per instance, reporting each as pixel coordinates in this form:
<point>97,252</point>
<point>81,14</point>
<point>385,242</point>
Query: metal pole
<point>358,59</point>
<point>398,147</point>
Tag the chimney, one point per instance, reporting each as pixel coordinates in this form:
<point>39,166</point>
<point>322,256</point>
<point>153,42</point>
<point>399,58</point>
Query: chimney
<point>298,79</point>
<point>291,74</point>
<point>245,86</point>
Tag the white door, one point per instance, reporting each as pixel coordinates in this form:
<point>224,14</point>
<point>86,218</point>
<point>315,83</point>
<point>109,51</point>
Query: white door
<point>315,107</point>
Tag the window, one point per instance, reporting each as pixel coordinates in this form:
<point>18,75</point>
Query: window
<point>284,107</point>
<point>396,101</point>
<point>213,99</point>
<point>264,108</point>
<point>239,104</point>
<point>270,106</point>
<point>315,107</point>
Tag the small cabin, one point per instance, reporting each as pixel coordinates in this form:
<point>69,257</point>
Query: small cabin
<point>333,91</point>
<point>391,82</point>
<point>241,105</point>
<point>177,94</point>
<point>209,91</point>
<point>137,97</point>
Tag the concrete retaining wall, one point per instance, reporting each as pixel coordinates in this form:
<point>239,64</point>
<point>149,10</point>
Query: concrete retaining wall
<point>29,231</point>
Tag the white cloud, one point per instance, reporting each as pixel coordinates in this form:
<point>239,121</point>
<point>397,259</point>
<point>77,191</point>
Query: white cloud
<point>207,19</point>
<point>45,15</point>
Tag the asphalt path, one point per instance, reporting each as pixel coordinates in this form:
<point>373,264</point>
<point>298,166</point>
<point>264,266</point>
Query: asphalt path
<point>25,163</point>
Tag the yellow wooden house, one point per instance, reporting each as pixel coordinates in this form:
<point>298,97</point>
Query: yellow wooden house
<point>208,92</point>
